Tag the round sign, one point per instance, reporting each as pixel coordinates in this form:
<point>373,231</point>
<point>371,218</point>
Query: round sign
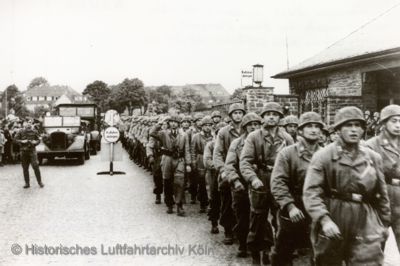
<point>111,134</point>
<point>111,117</point>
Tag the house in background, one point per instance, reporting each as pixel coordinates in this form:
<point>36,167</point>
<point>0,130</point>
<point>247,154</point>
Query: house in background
<point>47,96</point>
<point>362,69</point>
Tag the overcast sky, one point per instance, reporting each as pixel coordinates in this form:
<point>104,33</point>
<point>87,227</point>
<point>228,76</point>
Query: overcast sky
<point>174,42</point>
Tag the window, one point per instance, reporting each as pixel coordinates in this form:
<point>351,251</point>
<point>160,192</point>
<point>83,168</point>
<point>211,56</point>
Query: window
<point>34,98</point>
<point>42,98</point>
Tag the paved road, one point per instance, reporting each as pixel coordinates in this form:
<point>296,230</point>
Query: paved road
<point>79,209</point>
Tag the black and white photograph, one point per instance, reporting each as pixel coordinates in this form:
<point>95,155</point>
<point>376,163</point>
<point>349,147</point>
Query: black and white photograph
<point>183,132</point>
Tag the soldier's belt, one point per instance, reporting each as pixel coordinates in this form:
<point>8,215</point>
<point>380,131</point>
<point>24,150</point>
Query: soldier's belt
<point>395,182</point>
<point>354,197</point>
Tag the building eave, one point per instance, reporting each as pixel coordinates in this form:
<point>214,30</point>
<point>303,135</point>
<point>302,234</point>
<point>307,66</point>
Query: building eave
<point>346,62</point>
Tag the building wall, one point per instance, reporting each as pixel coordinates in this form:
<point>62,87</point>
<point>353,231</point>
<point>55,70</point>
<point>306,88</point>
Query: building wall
<point>289,100</point>
<point>257,97</point>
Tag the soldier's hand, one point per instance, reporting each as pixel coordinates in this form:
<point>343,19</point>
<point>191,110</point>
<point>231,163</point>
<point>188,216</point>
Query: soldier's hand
<point>151,159</point>
<point>331,230</point>
<point>257,184</point>
<point>296,215</point>
<point>188,169</point>
<point>238,186</point>
<point>24,141</point>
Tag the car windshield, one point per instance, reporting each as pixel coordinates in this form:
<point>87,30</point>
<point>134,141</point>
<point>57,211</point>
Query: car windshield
<point>58,121</point>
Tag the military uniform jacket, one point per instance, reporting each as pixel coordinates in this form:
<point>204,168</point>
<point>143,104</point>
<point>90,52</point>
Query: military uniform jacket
<point>232,161</point>
<point>223,140</point>
<point>390,156</point>
<point>170,142</point>
<point>332,168</point>
<point>208,155</point>
<point>287,177</point>
<point>198,143</point>
<point>261,149</point>
<point>27,134</point>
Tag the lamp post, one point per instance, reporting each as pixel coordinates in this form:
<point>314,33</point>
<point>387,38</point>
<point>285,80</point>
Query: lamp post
<point>258,74</point>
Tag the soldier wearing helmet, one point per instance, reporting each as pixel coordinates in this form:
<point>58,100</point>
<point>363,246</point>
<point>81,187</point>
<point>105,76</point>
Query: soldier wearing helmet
<point>196,127</point>
<point>154,155</point>
<point>286,186</point>
<point>216,117</point>
<point>387,145</point>
<point>185,123</point>
<point>290,123</point>
<point>261,148</point>
<point>346,197</point>
<point>224,139</point>
<point>198,182</point>
<point>240,195</point>
<point>175,161</point>
<point>212,181</point>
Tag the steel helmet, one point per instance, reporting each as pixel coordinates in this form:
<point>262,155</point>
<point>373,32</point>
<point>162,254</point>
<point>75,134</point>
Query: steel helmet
<point>346,114</point>
<point>175,118</point>
<point>310,117</point>
<point>207,120</point>
<point>250,117</point>
<point>291,119</point>
<point>198,116</point>
<point>236,106</point>
<point>186,118</point>
<point>216,114</point>
<point>272,107</point>
<point>389,111</point>
<point>220,125</point>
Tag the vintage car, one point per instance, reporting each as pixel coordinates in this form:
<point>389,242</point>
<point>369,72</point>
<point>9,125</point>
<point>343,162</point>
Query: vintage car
<point>90,121</point>
<point>63,137</point>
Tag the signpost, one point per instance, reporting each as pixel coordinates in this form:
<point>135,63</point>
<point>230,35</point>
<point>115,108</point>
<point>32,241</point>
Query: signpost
<point>111,135</point>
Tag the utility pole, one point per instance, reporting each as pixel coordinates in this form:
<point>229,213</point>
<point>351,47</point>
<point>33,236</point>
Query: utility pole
<point>287,53</point>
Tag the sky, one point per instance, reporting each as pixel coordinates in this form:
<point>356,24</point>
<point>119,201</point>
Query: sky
<point>173,42</point>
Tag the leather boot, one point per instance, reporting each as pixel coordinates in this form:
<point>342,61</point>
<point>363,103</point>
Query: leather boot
<point>170,210</point>
<point>228,238</point>
<point>158,199</point>
<point>265,257</point>
<point>256,259</point>
<point>180,210</point>
<point>214,227</point>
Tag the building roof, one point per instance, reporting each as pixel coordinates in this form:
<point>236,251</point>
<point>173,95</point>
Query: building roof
<point>55,90</point>
<point>378,37</point>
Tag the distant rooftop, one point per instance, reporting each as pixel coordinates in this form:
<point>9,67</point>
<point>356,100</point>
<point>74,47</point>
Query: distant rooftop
<point>378,37</point>
<point>56,90</point>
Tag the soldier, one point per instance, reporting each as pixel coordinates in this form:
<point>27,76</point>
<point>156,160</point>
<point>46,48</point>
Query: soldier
<point>185,127</point>
<point>28,139</point>
<point>185,124</point>
<point>287,188</point>
<point>227,120</point>
<point>346,196</point>
<point>153,151</point>
<point>176,155</point>
<point>211,179</point>
<point>224,139</point>
<point>196,127</point>
<point>332,134</point>
<point>387,144</point>
<point>290,123</point>
<point>198,143</point>
<point>372,126</point>
<point>261,148</point>
<point>240,195</point>
<point>216,117</point>
<point>192,178</point>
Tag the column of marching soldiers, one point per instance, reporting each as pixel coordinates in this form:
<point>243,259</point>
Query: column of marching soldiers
<point>281,186</point>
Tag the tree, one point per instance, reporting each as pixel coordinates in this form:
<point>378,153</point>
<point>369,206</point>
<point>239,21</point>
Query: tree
<point>15,100</point>
<point>37,82</point>
<point>237,94</point>
<point>130,94</point>
<point>99,93</point>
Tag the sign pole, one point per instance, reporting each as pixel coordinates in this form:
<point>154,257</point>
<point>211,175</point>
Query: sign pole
<point>110,136</point>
